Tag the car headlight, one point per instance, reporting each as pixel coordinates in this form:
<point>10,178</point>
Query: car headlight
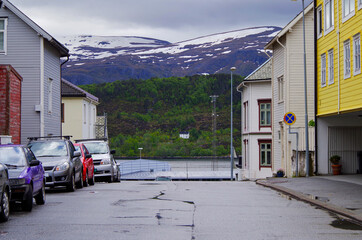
<point>106,161</point>
<point>17,181</point>
<point>62,167</point>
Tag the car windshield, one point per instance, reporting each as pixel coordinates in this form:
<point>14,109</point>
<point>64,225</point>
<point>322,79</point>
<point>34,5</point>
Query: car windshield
<point>12,156</point>
<point>49,149</point>
<point>97,147</point>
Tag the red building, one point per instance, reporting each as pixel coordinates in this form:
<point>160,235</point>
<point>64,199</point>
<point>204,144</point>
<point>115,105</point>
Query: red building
<point>10,103</point>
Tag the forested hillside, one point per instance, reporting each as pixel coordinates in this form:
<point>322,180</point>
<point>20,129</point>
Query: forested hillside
<point>151,113</point>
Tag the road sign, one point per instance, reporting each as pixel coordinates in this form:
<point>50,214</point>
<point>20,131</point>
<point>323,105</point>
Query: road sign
<point>290,118</point>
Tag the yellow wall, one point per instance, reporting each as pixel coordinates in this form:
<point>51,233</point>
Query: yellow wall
<point>350,88</point>
<point>73,121</point>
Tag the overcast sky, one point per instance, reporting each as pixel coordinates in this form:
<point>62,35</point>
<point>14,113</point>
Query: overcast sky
<point>170,20</point>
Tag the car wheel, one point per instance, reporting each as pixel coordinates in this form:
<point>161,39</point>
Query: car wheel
<point>110,179</point>
<point>86,183</point>
<point>80,182</point>
<point>40,198</point>
<point>4,207</point>
<point>92,180</point>
<point>27,204</point>
<point>71,184</point>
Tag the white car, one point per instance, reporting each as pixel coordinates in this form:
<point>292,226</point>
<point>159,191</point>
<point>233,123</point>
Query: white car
<point>105,167</point>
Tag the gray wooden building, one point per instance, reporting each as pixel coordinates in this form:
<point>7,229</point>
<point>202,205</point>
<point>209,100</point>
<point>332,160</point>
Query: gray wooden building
<point>37,57</point>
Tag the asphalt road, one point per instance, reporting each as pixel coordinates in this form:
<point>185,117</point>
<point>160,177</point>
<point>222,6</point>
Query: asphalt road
<point>175,210</point>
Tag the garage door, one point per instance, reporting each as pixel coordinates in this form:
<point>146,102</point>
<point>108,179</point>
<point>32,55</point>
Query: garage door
<point>345,142</point>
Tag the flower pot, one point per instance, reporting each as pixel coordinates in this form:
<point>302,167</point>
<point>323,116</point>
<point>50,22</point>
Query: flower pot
<point>336,169</point>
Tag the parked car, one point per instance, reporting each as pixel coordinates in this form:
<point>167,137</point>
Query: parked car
<point>5,193</point>
<point>26,175</point>
<point>88,166</point>
<point>104,163</point>
<point>61,161</point>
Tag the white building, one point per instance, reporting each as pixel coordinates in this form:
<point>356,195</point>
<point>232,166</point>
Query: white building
<point>256,123</point>
<point>288,92</point>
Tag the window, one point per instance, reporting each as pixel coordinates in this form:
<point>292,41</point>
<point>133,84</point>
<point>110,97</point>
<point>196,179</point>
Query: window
<point>359,4</point>
<point>323,70</point>
<point>265,153</point>
<point>347,9</point>
<point>50,95</point>
<point>62,112</point>
<point>319,22</point>
<point>356,54</point>
<point>264,113</point>
<point>84,113</point>
<point>3,30</point>
<point>330,67</point>
<point>245,115</point>
<point>347,59</point>
<point>328,15</point>
<point>281,89</point>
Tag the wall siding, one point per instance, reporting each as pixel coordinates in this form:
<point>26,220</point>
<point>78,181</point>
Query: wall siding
<point>23,54</point>
<point>350,88</point>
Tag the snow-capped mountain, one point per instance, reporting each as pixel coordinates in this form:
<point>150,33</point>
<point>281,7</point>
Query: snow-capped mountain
<point>105,59</point>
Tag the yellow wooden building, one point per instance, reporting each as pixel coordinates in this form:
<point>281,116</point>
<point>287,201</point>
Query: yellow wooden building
<point>338,25</point>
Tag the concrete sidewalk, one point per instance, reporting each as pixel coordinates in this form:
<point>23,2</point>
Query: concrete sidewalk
<point>339,194</point>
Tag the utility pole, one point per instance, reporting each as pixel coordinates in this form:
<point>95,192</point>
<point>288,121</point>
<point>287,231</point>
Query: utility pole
<point>213,100</point>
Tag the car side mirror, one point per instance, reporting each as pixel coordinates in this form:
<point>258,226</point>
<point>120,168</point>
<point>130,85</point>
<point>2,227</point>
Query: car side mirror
<point>88,156</point>
<point>113,152</point>
<point>34,163</point>
<point>76,154</point>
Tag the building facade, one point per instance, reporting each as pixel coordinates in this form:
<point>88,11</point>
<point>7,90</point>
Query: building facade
<point>288,94</point>
<point>10,103</point>
<point>36,56</point>
<point>256,136</point>
<point>79,112</point>
<point>338,83</point>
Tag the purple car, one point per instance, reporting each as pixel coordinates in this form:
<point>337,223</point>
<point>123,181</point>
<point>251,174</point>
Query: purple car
<point>26,175</point>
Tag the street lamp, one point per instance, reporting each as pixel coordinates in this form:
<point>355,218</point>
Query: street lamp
<point>140,151</point>
<point>231,125</point>
<point>305,99</point>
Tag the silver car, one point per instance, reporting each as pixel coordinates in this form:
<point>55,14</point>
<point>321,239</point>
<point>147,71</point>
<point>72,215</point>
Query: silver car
<point>105,167</point>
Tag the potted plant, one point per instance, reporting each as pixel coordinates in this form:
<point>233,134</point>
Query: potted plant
<point>336,167</point>
<point>280,173</point>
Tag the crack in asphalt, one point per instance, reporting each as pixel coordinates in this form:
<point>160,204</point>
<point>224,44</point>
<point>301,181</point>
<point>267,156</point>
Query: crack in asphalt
<point>159,217</point>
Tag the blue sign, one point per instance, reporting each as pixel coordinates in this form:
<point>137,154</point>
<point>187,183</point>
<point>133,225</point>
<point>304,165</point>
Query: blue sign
<point>290,118</point>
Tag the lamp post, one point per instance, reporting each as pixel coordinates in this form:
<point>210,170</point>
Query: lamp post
<point>140,151</point>
<point>305,99</point>
<point>231,125</point>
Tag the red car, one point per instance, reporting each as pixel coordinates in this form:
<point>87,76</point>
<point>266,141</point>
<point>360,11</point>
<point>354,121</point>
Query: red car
<point>88,166</point>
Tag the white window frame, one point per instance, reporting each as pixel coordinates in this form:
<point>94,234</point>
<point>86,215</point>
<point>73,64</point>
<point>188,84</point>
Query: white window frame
<point>347,59</point>
<point>330,27</point>
<point>320,22</point>
<point>50,95</point>
<point>323,70</point>
<point>330,66</point>
<point>5,31</point>
<point>351,7</point>
<point>356,54</point>
<point>280,89</point>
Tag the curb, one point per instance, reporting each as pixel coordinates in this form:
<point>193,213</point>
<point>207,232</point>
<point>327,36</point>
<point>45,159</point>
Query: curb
<point>302,197</point>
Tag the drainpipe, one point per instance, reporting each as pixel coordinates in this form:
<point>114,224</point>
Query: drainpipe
<point>61,65</point>
<point>42,68</point>
<point>315,94</point>
<point>241,118</point>
<point>338,39</point>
